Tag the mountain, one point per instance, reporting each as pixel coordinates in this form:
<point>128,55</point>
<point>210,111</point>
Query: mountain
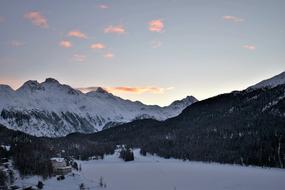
<point>270,83</point>
<point>53,109</point>
<point>242,127</point>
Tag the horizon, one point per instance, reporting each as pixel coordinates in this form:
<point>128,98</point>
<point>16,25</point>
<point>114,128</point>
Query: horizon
<point>85,90</point>
<point>178,49</point>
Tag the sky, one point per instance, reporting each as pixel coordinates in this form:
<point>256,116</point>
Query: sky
<point>152,51</point>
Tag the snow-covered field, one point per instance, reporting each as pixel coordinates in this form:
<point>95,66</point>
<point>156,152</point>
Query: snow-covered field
<point>155,173</point>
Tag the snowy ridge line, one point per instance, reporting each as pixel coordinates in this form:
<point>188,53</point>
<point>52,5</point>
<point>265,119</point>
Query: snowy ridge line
<point>53,109</point>
<point>271,82</point>
<point>273,103</point>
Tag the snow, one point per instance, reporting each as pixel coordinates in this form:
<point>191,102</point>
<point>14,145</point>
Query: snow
<point>155,173</point>
<point>273,103</point>
<point>270,83</point>
<point>6,147</point>
<point>42,100</point>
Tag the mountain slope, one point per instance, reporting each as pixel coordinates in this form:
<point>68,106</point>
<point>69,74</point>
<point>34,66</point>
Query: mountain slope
<point>243,127</point>
<point>53,109</point>
<point>270,83</point>
<point>246,127</point>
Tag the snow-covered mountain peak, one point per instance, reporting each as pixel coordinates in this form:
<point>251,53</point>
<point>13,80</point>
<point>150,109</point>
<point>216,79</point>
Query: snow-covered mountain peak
<point>30,83</point>
<point>101,90</point>
<point>271,82</point>
<point>52,85</point>
<point>96,90</point>
<point>5,89</point>
<point>51,81</point>
<point>183,103</point>
<point>190,98</point>
<point>49,87</point>
<point>30,86</point>
<point>54,109</point>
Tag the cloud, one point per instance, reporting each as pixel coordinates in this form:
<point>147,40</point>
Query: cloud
<point>37,19</point>
<point>16,43</point>
<point>108,55</point>
<point>118,29</point>
<point>233,18</point>
<point>129,90</point>
<point>65,44</point>
<point>97,46</point>
<point>79,57</point>
<point>77,34</point>
<point>156,25</point>
<point>103,6</point>
<point>169,88</point>
<point>135,90</point>
<point>156,44</point>
<point>249,47</point>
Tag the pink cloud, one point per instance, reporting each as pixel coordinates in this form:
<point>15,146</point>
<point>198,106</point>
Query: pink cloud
<point>137,90</point>
<point>108,55</point>
<point>119,29</point>
<point>97,46</point>
<point>77,34</point>
<point>156,25</point>
<point>129,90</point>
<point>65,44</point>
<point>16,44</point>
<point>79,57</point>
<point>103,6</point>
<point>233,18</point>
<point>37,19</point>
<point>249,47</point>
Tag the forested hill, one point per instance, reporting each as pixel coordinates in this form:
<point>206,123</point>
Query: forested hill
<point>246,127</point>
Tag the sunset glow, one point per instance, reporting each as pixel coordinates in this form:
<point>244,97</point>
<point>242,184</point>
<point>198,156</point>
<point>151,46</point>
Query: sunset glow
<point>140,49</point>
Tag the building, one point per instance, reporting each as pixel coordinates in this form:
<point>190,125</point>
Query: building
<point>59,166</point>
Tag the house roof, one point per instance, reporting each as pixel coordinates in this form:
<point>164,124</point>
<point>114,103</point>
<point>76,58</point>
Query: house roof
<point>57,159</point>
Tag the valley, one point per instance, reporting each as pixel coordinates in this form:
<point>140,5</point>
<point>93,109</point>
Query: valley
<point>153,172</point>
